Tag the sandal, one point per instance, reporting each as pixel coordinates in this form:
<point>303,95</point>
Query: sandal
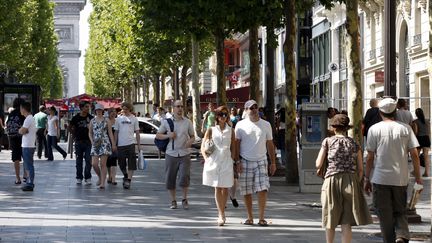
<point>17,182</point>
<point>248,222</point>
<point>262,222</point>
<point>114,183</point>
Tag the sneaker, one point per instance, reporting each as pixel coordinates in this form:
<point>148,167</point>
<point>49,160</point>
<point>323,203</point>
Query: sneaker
<point>173,204</point>
<point>79,181</point>
<point>185,204</point>
<point>27,188</point>
<point>126,184</point>
<point>88,181</point>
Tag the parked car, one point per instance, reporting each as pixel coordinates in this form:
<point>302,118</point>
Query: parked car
<point>148,129</point>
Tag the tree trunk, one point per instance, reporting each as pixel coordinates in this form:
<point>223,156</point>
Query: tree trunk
<point>184,88</point>
<point>291,172</point>
<point>162,89</point>
<point>147,94</point>
<point>156,88</point>
<point>196,112</point>
<point>355,96</point>
<point>270,77</point>
<point>220,67</point>
<point>254,91</point>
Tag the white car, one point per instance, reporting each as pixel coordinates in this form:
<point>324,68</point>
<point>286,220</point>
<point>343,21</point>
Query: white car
<point>148,129</point>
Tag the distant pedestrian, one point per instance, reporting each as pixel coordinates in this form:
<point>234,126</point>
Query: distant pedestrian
<point>101,137</point>
<point>53,134</point>
<point>233,117</point>
<point>371,117</point>
<point>254,139</point>
<point>342,198</point>
<point>28,132</point>
<point>403,114</point>
<point>41,119</point>
<point>63,127</point>
<point>112,159</point>
<point>387,171</point>
<point>79,130</point>
<point>218,169</point>
<point>421,128</point>
<point>126,126</point>
<point>14,123</point>
<point>177,155</point>
<point>209,119</point>
<point>280,131</point>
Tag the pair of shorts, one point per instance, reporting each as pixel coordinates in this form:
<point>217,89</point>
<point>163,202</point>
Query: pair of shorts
<point>15,146</point>
<point>127,153</point>
<point>177,165</point>
<point>424,141</point>
<point>254,177</point>
<point>112,159</point>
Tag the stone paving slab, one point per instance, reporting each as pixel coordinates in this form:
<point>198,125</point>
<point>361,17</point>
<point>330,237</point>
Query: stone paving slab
<point>61,211</point>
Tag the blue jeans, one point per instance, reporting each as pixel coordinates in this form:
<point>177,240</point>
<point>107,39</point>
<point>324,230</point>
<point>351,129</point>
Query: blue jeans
<point>27,155</point>
<point>52,143</point>
<point>82,151</point>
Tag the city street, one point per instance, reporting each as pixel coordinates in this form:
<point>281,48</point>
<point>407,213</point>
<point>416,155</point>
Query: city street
<point>59,210</point>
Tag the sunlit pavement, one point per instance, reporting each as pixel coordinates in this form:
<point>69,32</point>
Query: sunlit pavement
<point>58,210</point>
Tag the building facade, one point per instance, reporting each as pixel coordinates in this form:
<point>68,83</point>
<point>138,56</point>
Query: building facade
<point>66,24</point>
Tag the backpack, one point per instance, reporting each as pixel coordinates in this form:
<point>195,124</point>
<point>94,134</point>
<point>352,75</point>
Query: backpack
<point>162,144</point>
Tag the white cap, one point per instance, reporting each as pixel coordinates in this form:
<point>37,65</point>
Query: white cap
<point>387,105</point>
<point>99,106</point>
<point>249,104</point>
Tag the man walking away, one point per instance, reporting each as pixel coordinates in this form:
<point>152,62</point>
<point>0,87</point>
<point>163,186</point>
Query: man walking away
<point>79,130</point>
<point>125,127</point>
<point>41,119</point>
<point>254,140</point>
<point>28,132</point>
<point>177,155</point>
<point>372,117</point>
<point>387,171</point>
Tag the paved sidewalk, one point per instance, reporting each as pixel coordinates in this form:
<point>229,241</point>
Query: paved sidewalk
<point>61,211</point>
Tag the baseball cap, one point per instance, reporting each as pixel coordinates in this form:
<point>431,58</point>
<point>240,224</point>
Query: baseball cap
<point>249,104</point>
<point>387,105</point>
<point>99,107</point>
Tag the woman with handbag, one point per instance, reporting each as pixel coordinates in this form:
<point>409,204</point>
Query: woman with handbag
<point>100,134</point>
<point>218,152</point>
<point>342,198</point>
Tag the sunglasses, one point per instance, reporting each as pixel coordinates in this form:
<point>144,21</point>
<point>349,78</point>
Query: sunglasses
<point>254,107</point>
<point>179,106</point>
<point>222,114</point>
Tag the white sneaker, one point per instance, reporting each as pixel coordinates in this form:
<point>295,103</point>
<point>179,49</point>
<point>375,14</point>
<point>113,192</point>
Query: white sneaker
<point>79,181</point>
<point>88,181</point>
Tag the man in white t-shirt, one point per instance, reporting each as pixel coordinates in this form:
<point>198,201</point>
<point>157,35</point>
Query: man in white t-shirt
<point>254,138</point>
<point>388,144</point>
<point>125,127</point>
<point>28,132</point>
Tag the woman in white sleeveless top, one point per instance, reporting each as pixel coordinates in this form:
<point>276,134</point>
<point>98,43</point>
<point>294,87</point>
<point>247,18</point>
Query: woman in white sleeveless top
<point>218,167</point>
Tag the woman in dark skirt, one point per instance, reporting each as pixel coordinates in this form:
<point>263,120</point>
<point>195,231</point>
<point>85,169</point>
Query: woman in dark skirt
<point>422,129</point>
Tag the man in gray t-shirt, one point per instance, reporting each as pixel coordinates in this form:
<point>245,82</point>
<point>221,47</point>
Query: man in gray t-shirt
<point>388,144</point>
<point>177,155</point>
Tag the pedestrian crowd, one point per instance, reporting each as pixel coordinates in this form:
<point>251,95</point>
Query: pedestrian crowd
<point>239,153</point>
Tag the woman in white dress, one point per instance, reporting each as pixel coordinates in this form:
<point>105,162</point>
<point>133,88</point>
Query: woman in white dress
<point>218,167</point>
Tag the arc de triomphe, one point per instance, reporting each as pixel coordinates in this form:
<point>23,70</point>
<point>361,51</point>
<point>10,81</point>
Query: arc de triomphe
<point>66,24</point>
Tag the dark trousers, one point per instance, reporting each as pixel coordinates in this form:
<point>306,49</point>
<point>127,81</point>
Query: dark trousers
<point>41,142</point>
<point>390,206</point>
<point>52,143</point>
<point>82,152</point>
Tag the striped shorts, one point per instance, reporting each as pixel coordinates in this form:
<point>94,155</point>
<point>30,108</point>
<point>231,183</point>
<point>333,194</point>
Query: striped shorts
<point>254,177</point>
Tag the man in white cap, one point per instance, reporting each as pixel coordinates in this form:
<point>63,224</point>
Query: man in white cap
<point>253,140</point>
<point>388,145</point>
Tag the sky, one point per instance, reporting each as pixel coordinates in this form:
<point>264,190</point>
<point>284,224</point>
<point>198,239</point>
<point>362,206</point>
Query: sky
<point>84,37</point>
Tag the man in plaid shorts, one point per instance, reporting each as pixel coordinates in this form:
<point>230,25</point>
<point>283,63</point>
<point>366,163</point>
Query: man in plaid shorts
<point>253,138</point>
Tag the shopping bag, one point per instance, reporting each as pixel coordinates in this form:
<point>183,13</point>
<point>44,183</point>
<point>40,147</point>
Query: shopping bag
<point>142,163</point>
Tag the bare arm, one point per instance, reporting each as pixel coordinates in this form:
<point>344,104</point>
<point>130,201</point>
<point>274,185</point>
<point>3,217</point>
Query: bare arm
<point>233,146</point>
<point>416,164</point>
<point>90,132</point>
<point>320,158</point>
<point>271,151</point>
<point>23,130</point>
<point>369,166</point>
<point>111,135</point>
<point>360,164</point>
